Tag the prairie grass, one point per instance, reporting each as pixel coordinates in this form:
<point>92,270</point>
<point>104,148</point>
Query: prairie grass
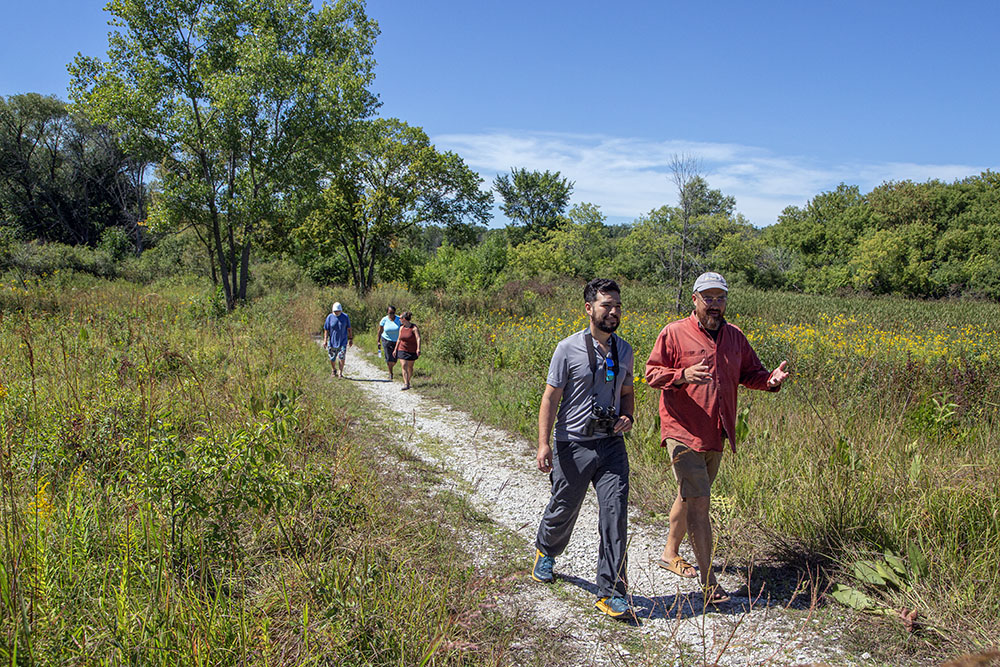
<point>181,487</point>
<point>885,444</point>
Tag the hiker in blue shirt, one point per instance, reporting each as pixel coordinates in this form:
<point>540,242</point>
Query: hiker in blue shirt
<point>388,334</point>
<point>337,337</point>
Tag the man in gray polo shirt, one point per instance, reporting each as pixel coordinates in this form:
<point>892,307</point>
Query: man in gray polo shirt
<point>590,384</point>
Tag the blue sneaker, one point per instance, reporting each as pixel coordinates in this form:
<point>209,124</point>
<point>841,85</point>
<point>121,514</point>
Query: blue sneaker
<point>543,568</point>
<point>615,607</point>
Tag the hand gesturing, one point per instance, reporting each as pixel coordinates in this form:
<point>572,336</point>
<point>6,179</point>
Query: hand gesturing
<point>698,374</point>
<point>778,375</point>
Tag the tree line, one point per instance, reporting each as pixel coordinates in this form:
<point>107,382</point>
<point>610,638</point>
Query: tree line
<point>64,178</point>
<point>927,240</point>
<point>250,130</point>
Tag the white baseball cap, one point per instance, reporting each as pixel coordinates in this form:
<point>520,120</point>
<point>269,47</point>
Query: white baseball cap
<point>337,307</point>
<point>710,280</point>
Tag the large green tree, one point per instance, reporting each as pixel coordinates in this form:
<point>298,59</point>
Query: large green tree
<point>244,100</point>
<point>535,201</point>
<point>392,180</point>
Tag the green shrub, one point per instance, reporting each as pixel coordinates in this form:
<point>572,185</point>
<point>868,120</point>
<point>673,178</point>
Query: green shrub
<point>455,345</point>
<point>115,243</point>
<point>172,255</point>
<point>44,259</point>
<point>277,275</point>
<point>328,270</point>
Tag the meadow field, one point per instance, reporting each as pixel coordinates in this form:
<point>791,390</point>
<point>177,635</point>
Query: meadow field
<point>183,486</point>
<point>186,488</point>
<point>877,464</point>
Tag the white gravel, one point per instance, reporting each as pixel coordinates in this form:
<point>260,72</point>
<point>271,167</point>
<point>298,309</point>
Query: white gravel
<point>501,480</point>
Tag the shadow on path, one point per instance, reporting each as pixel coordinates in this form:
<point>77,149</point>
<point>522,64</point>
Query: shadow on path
<point>681,606</point>
<point>788,584</point>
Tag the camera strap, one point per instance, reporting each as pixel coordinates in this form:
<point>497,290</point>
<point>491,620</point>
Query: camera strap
<point>592,355</point>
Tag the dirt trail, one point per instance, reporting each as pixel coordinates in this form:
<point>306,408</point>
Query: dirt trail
<point>501,479</point>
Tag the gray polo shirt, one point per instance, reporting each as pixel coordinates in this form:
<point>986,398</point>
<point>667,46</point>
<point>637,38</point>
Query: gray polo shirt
<point>570,371</point>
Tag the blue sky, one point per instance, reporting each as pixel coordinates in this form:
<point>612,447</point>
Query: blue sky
<point>779,100</point>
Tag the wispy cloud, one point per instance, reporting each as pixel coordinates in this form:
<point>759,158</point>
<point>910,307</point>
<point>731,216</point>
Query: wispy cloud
<point>629,177</point>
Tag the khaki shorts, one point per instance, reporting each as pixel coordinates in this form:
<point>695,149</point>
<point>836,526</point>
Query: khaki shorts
<point>695,471</point>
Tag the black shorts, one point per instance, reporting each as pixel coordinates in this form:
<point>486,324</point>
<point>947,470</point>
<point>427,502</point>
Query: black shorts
<point>403,355</point>
<point>389,351</point>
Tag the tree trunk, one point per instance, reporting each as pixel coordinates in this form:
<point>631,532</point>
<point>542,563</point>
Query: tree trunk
<point>683,170</point>
<point>221,252</point>
<point>370,274</point>
<point>245,265</point>
<point>231,217</point>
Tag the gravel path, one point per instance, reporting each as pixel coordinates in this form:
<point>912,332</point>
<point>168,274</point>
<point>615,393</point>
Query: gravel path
<point>498,473</point>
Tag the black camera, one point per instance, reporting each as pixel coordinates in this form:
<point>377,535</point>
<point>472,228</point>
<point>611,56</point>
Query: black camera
<point>601,420</point>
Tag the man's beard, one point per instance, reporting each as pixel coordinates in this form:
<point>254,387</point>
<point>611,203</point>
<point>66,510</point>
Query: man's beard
<point>712,321</point>
<point>605,325</point>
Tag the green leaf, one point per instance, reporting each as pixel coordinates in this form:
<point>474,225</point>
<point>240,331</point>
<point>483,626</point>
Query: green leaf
<point>918,562</point>
<point>850,596</point>
<point>886,572</point>
<point>84,335</point>
<point>866,572</point>
<point>896,563</point>
<point>743,425</point>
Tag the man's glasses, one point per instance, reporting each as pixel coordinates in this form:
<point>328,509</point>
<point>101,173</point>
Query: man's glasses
<point>713,299</point>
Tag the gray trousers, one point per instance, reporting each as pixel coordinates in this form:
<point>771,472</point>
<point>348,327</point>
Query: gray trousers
<point>575,466</point>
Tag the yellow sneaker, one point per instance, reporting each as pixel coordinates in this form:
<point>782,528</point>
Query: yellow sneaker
<point>615,607</point>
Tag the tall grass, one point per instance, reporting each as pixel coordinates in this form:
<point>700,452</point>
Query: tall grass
<point>184,488</point>
<point>885,440</point>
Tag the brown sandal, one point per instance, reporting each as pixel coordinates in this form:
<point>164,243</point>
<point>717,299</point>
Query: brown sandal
<point>677,565</point>
<point>716,596</point>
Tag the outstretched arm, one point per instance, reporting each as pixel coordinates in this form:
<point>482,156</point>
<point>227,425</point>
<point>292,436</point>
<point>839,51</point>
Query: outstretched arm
<point>755,376</point>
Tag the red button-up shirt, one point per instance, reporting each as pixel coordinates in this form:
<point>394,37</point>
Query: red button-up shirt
<point>699,414</point>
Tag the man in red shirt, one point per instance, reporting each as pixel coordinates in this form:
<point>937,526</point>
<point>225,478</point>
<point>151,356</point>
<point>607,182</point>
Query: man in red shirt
<point>698,363</point>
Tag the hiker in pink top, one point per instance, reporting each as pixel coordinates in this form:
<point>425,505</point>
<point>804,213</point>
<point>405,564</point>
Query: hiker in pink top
<point>698,363</point>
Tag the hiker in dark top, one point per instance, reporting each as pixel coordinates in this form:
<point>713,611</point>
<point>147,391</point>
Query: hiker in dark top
<point>407,347</point>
